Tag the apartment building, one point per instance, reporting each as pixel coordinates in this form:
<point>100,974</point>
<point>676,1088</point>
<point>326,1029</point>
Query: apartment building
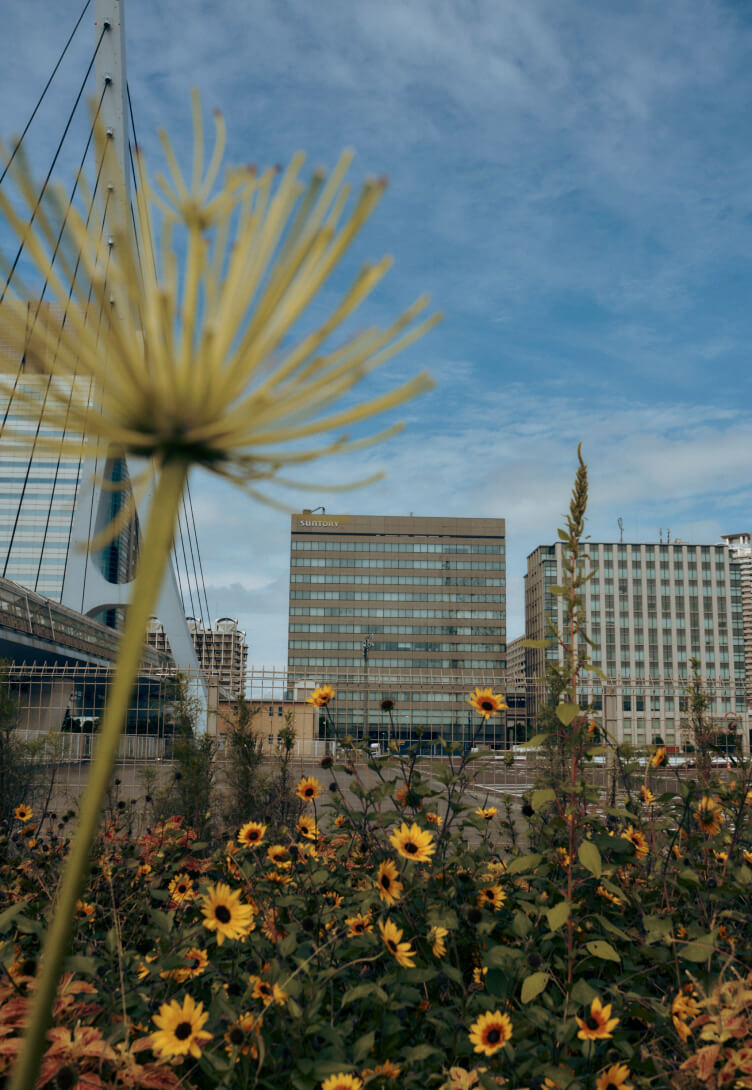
<point>222,650</point>
<point>403,603</point>
<point>650,609</point>
<point>740,547</point>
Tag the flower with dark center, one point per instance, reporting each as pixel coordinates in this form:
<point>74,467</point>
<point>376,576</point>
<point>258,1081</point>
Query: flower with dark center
<point>598,1024</point>
<point>486,702</point>
<point>490,1032</point>
<point>387,705</point>
<point>225,913</point>
<point>527,809</point>
<point>180,1029</point>
<point>388,883</point>
<point>402,952</point>
<point>413,843</point>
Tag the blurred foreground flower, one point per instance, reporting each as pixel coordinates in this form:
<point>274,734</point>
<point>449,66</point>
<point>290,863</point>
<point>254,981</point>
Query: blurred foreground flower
<point>198,368</point>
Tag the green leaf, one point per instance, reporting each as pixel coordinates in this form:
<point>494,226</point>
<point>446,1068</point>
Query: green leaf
<point>533,985</point>
<point>700,949</point>
<point>521,926</point>
<point>363,1046</point>
<point>542,797</point>
<point>7,917</point>
<point>536,740</point>
<point>657,925</point>
<point>523,863</point>
<point>558,915</point>
<point>590,857</point>
<point>583,993</point>
<point>419,1052</point>
<point>360,991</point>
<point>603,950</point>
<point>538,644</point>
<point>565,713</point>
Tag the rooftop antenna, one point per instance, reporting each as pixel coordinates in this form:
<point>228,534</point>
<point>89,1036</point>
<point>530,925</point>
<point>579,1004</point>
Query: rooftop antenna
<point>660,535</point>
<point>668,536</point>
<point>620,521</point>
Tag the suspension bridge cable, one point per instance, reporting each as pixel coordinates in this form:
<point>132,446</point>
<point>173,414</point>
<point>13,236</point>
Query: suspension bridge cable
<point>193,561</point>
<point>30,460</point>
<point>54,159</point>
<point>198,552</point>
<point>44,92</point>
<point>73,377</point>
<point>185,562</point>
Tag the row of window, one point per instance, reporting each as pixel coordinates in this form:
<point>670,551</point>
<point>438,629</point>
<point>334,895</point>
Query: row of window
<point>395,547</point>
<point>355,662</point>
<point>392,596</point>
<point>350,562</point>
<point>403,629</point>
<point>401,580</point>
<point>447,615</point>
<point>395,645</point>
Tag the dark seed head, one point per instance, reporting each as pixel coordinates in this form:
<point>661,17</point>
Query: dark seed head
<point>474,915</point>
<point>527,809</point>
<point>236,1036</point>
<point>327,761</point>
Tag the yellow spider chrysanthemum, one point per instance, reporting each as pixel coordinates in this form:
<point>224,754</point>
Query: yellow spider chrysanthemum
<point>342,1082</point>
<point>251,834</point>
<point>225,913</point>
<point>387,881</point>
<point>709,815</point>
<point>402,952</point>
<point>637,840</point>
<point>23,812</point>
<point>614,1078</point>
<point>307,827</point>
<point>320,697</point>
<point>491,897</point>
<point>486,702</point>
<point>436,937</point>
<point>413,843</point>
<point>598,1024</point>
<point>308,789</point>
<point>181,890</point>
<point>490,1032</point>
<point>180,1029</point>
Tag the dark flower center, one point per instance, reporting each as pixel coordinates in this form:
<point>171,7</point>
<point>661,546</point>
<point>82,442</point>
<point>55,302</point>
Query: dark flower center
<point>411,847</point>
<point>486,705</point>
<point>182,888</point>
<point>223,913</point>
<point>385,881</point>
<point>392,945</point>
<point>236,1035</point>
<point>611,1086</point>
<point>592,1023</point>
<point>183,1031</point>
<point>265,989</point>
<point>493,1036</point>
<point>308,792</point>
<point>66,1078</point>
<point>252,835</point>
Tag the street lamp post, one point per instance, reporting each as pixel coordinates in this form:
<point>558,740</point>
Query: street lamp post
<point>367,645</point>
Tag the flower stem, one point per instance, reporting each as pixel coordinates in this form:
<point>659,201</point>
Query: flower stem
<point>153,557</point>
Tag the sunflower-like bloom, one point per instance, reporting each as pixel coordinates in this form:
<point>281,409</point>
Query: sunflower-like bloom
<point>637,840</point>
<point>486,702</point>
<point>388,884</point>
<point>242,1037</point>
<point>266,992</point>
<point>320,697</point>
<point>251,834</point>
<point>490,1032</point>
<point>308,789</point>
<point>402,952</point>
<point>279,855</point>
<point>491,897</point>
<point>709,815</point>
<point>659,758</point>
<point>181,890</point>
<point>747,855</point>
<point>385,1070</point>
<point>413,843</point>
<point>647,796</point>
<point>23,812</point>
<point>598,1024</point>
<point>437,936</point>
<point>342,1082</point>
<point>358,924</point>
<point>180,1029</point>
<point>614,1078</point>
<point>486,812</point>
<point>307,827</point>
<point>225,913</point>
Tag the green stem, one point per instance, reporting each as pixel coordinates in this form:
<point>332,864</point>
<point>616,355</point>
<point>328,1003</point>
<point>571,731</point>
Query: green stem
<point>153,557</point>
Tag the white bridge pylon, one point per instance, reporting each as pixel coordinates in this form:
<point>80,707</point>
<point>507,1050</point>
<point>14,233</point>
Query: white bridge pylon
<point>85,587</point>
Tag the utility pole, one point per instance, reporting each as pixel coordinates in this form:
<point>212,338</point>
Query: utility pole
<point>367,645</point>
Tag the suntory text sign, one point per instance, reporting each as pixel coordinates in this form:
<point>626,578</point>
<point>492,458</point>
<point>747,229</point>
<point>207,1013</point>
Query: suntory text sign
<point>316,522</point>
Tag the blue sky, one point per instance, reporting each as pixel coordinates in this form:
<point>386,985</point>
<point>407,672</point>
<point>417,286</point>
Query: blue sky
<point>570,182</point>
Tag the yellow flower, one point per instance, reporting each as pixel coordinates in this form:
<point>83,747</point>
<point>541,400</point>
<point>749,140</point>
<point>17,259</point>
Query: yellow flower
<point>225,913</point>
<point>433,817</point>
<point>385,1070</point>
<point>598,1024</point>
<point>709,816</point>
<point>461,1079</point>
<point>647,795</point>
<point>320,697</point>
<point>402,952</point>
<point>413,843</point>
<point>637,839</point>
<point>479,974</point>
<point>486,812</point>
<point>436,937</point>
<point>279,855</point>
<point>747,856</point>
<point>486,702</point>
<point>339,821</point>
<point>491,897</point>
<point>199,960</point>
<point>23,812</point>
<point>243,1036</point>
<point>85,909</point>
<point>251,834</point>
<point>307,827</point>
<point>659,757</point>
<point>614,1078</point>
<point>308,789</point>
<point>608,895</point>
<point>388,884</point>
<point>490,1032</point>
<point>268,993</point>
<point>342,1082</point>
<point>358,925</point>
<point>181,890</point>
<point>180,1029</point>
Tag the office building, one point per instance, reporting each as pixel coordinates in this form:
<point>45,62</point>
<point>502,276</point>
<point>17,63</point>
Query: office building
<point>650,609</point>
<point>222,650</point>
<point>740,547</point>
<point>415,599</point>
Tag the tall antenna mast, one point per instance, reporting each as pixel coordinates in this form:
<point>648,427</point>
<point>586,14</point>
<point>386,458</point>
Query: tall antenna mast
<point>620,521</point>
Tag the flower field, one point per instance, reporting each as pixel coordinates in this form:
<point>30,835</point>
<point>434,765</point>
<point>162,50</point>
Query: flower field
<point>407,941</point>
